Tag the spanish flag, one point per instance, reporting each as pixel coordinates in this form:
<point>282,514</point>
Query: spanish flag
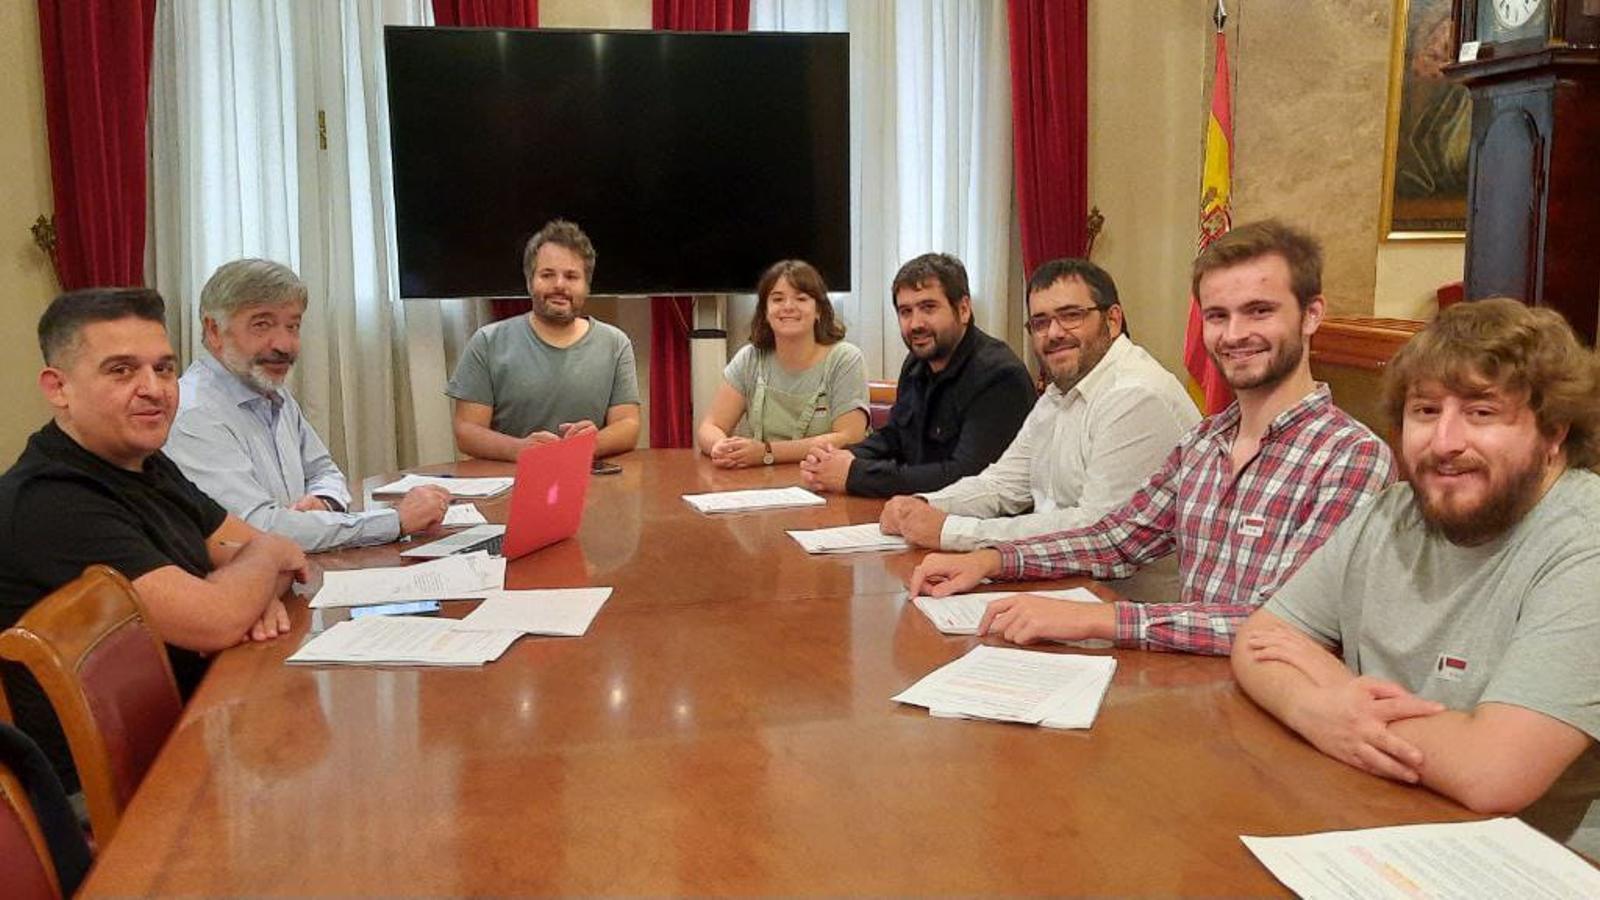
<point>1206,386</point>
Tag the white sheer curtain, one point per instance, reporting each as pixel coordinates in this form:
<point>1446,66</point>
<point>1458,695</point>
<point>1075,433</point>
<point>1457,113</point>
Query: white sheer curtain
<point>930,149</point>
<point>224,165</point>
<point>239,169</point>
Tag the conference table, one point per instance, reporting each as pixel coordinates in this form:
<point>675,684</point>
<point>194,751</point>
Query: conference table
<point>725,727</point>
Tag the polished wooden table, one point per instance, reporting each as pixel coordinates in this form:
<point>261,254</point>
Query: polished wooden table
<point>724,727</point>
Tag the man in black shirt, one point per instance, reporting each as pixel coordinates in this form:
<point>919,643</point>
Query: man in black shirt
<point>93,487</point>
<point>961,398</point>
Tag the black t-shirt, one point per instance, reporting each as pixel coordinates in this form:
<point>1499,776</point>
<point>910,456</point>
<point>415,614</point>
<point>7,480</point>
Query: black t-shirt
<point>62,509</point>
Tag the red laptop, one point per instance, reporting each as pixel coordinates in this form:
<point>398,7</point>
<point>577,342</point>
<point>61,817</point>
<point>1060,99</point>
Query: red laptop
<point>546,504</point>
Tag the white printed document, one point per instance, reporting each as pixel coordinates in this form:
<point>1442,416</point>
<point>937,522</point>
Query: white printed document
<point>961,613</point>
<point>463,514</point>
<point>849,539</point>
<point>402,641</point>
<point>1056,690</point>
<point>458,487</point>
<point>750,501</point>
<point>1495,858</point>
<point>563,612</point>
<point>465,576</point>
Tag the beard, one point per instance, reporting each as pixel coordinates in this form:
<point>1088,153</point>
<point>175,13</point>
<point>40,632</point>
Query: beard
<point>1091,350</point>
<point>252,370</point>
<point>558,315</point>
<point>1284,360</point>
<point>1501,508</point>
<point>944,343</point>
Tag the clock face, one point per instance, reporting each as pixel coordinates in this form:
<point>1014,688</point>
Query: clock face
<point>1502,21</point>
<point>1515,13</point>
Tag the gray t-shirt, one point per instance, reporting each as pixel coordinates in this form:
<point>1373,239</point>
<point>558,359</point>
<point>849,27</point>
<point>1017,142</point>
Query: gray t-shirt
<point>533,386</point>
<point>838,383</point>
<point>1513,621</point>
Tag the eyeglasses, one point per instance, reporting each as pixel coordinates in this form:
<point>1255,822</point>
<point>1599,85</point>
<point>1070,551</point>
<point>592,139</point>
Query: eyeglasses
<point>1068,317</point>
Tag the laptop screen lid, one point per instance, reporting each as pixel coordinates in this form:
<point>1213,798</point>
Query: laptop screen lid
<point>547,497</point>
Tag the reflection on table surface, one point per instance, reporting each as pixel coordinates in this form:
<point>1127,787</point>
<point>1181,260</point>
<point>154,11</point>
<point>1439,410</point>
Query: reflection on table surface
<point>724,727</point>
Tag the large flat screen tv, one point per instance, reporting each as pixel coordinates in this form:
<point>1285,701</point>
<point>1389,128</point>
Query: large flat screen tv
<point>693,161</point>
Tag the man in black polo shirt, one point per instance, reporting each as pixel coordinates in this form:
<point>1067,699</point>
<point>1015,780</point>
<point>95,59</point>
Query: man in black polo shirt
<point>961,398</point>
<point>93,487</point>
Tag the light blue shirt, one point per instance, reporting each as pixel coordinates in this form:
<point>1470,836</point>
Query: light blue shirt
<point>256,455</point>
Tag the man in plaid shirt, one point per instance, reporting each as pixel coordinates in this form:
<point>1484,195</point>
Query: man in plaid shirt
<point>1245,497</point>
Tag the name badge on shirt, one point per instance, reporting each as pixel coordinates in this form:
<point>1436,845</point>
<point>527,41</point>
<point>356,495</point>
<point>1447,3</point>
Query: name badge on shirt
<point>1253,526</point>
<point>1450,668</point>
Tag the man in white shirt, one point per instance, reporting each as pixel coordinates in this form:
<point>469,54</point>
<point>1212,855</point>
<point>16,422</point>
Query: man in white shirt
<point>1109,417</point>
<point>241,437</point>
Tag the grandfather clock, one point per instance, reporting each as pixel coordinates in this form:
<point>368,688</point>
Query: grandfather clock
<point>1533,195</point>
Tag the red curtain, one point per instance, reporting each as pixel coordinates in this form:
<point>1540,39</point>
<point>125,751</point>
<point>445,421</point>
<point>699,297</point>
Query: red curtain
<point>486,13</point>
<point>700,15</point>
<point>1050,121</point>
<point>671,394</point>
<point>491,14</point>
<point>96,56</point>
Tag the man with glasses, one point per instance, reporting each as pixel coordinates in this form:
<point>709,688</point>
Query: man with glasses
<point>1110,414</point>
<point>1245,497</point>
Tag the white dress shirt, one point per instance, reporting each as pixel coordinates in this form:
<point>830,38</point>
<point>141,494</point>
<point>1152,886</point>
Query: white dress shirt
<point>256,455</point>
<point>1079,454</point>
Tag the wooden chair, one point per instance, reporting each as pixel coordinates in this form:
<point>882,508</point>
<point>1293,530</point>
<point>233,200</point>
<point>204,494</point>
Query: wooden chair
<point>24,858</point>
<point>880,399</point>
<point>38,847</point>
<point>107,677</point>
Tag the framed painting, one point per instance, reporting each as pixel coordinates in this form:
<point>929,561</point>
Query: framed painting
<point>1429,128</point>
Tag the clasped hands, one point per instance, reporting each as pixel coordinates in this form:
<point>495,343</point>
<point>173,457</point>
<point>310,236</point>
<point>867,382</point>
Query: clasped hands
<point>826,468</point>
<point>914,519</point>
<point>566,429</point>
<point>1342,714</point>
<point>735,452</point>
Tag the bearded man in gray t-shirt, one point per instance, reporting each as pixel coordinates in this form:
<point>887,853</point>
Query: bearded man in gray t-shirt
<point>553,373</point>
<point>1462,604</point>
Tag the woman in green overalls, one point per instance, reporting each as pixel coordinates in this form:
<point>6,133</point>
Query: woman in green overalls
<point>797,383</point>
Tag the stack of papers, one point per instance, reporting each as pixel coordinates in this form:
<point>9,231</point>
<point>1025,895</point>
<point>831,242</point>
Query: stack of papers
<point>461,577</point>
<point>849,539</point>
<point>402,641</point>
<point>560,612</point>
<point>479,638</point>
<point>961,613</point>
<point>1056,690</point>
<point>463,514</point>
<point>750,501</point>
<point>1496,858</point>
<point>458,487</point>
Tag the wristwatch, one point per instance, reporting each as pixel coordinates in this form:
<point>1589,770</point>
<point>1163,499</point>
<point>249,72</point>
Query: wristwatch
<point>766,458</point>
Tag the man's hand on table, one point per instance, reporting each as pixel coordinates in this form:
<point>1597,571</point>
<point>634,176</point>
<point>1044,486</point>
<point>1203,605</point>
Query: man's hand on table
<point>1026,618</point>
<point>422,508</point>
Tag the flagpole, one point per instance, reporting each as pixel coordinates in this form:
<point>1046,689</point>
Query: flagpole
<point>1220,16</point>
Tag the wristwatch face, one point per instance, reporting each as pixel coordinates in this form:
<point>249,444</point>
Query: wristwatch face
<point>766,458</point>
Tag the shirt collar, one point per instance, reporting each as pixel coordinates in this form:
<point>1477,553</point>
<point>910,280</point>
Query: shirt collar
<point>1315,403</point>
<point>1103,375</point>
<point>232,386</point>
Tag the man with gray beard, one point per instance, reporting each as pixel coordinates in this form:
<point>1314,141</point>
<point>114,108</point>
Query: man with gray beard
<point>1110,415</point>
<point>242,439</point>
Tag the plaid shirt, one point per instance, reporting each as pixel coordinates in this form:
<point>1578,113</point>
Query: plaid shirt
<point>1237,538</point>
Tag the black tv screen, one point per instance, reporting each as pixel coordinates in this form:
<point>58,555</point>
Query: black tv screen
<point>693,161</point>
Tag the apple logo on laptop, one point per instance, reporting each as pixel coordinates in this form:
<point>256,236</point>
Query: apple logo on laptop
<point>554,494</point>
